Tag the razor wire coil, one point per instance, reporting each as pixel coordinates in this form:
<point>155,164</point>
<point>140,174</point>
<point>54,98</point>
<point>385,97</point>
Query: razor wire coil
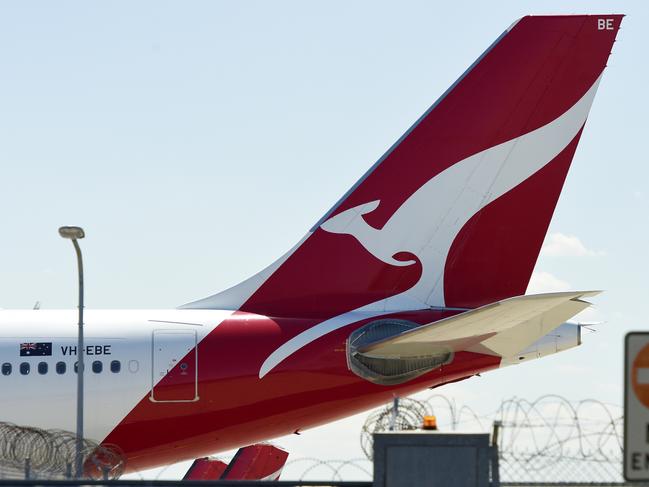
<point>28,452</point>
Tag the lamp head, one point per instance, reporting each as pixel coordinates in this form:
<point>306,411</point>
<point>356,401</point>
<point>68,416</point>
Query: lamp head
<point>72,233</point>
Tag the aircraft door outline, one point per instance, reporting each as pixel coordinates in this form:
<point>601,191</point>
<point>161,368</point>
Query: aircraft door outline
<point>174,366</point>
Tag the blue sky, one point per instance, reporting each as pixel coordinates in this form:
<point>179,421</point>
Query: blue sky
<point>197,141</point>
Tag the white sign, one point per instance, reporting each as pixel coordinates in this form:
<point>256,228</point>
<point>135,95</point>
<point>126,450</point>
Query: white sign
<point>636,406</point>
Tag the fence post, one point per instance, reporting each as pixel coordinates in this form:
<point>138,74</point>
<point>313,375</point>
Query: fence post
<point>28,468</point>
<point>395,413</point>
<point>495,460</point>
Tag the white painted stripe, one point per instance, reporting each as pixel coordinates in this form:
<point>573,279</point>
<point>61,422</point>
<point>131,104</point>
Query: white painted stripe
<point>310,335</point>
<point>643,376</point>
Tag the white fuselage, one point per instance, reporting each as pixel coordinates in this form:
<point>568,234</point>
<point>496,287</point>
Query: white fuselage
<point>121,341</point>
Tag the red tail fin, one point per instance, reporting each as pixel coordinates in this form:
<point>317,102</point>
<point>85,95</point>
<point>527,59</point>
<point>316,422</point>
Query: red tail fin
<point>454,214</point>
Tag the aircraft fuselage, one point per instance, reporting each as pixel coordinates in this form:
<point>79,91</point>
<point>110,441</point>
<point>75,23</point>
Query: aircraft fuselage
<point>178,384</point>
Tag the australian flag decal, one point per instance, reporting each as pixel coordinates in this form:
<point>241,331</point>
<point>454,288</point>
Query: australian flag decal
<point>38,349</point>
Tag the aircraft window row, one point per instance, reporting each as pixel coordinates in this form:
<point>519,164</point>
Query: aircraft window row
<point>97,367</point>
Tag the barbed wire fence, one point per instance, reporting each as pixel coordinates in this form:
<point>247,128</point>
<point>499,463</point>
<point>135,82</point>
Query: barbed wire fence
<point>553,440</point>
<point>549,440</point>
<point>33,453</point>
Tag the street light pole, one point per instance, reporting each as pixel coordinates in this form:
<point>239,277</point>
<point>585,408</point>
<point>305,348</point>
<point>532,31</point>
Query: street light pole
<point>74,234</point>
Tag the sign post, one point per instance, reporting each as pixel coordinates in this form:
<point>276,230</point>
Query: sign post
<point>636,406</point>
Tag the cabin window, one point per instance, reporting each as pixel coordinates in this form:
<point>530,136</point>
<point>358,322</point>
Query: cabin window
<point>42,368</point>
<point>115,366</point>
<point>24,368</point>
<point>60,367</point>
<point>6,368</point>
<point>133,366</point>
<point>97,366</point>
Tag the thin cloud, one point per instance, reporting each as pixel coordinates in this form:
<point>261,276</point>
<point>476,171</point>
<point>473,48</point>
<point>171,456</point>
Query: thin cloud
<point>561,245</point>
<point>544,282</point>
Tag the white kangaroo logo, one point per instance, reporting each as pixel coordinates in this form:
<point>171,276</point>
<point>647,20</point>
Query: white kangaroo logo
<point>351,222</point>
<point>428,222</point>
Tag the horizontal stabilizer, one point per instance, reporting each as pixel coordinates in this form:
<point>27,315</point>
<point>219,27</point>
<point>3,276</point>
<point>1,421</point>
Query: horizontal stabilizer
<point>500,328</point>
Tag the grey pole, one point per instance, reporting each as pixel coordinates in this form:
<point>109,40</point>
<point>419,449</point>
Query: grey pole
<point>395,413</point>
<point>75,233</point>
